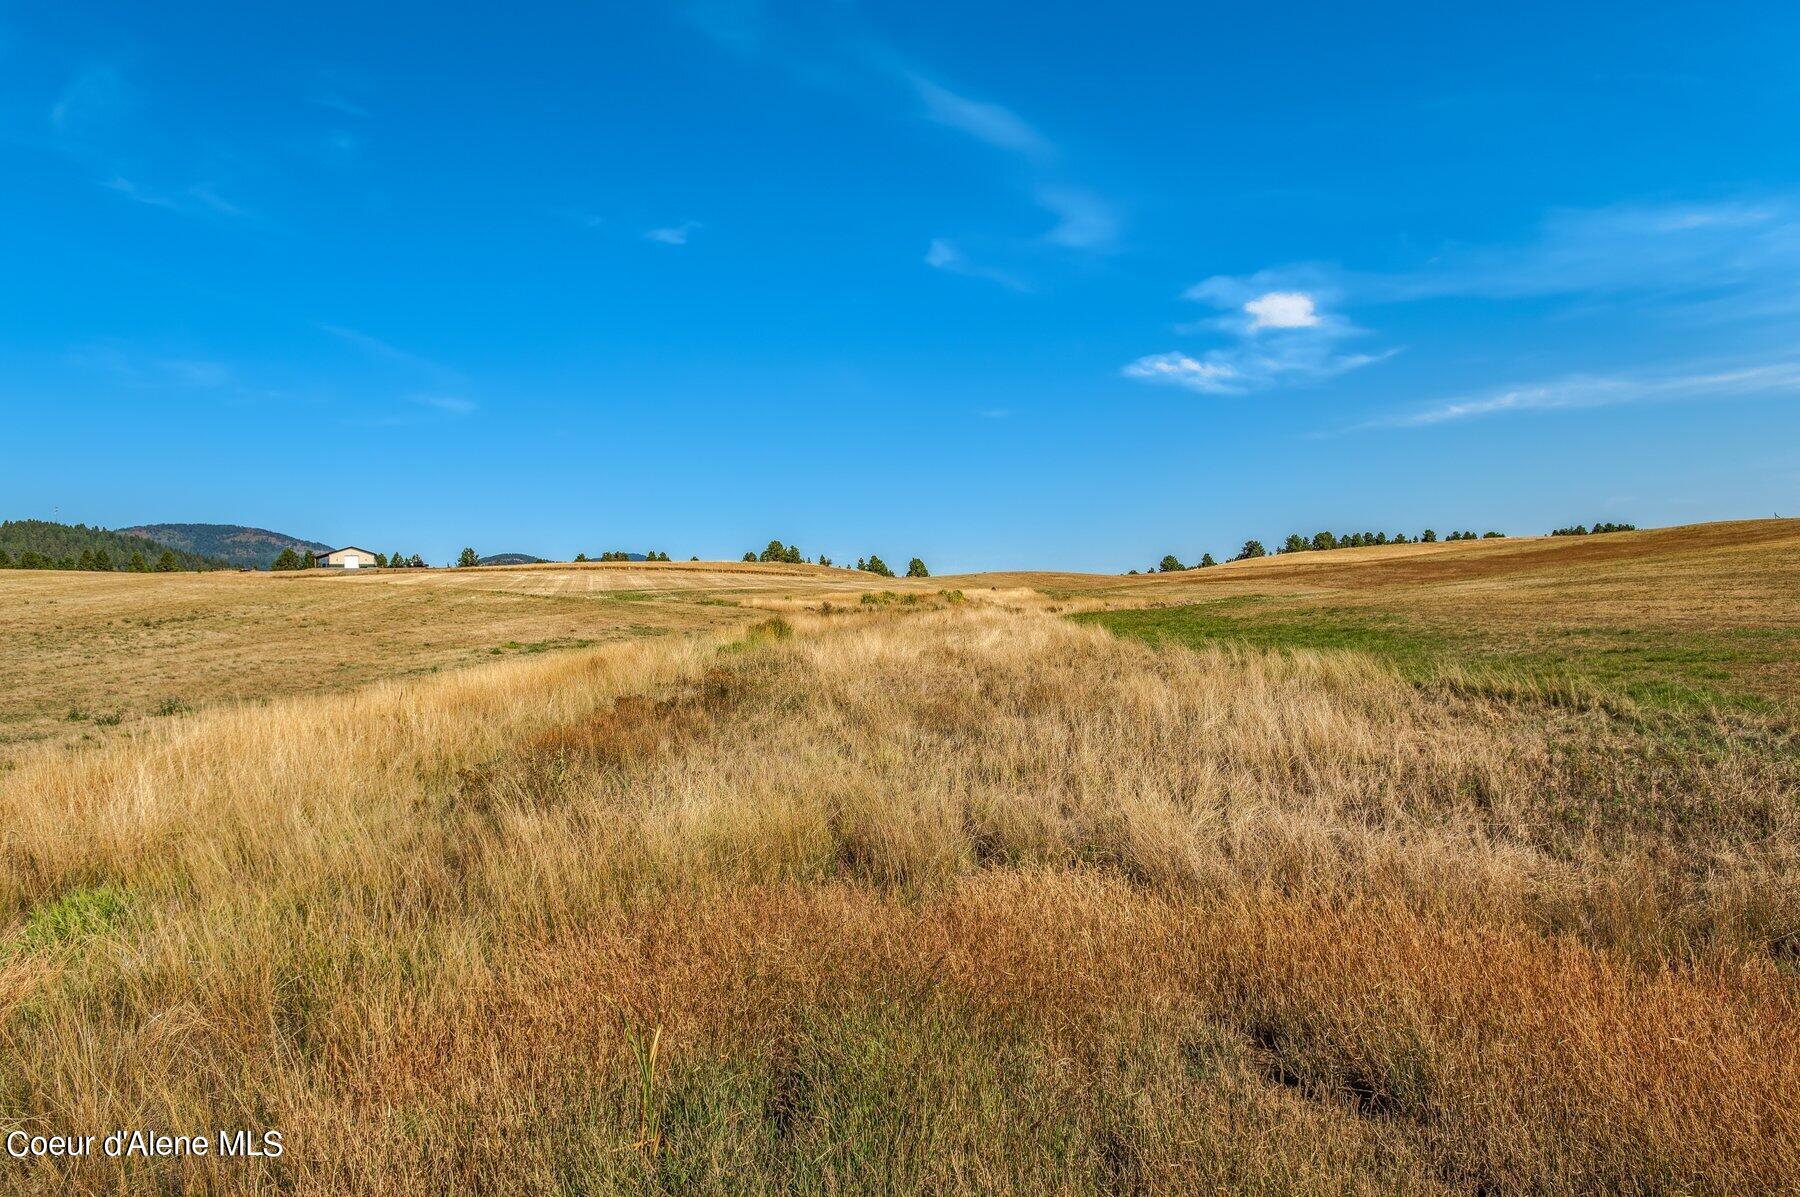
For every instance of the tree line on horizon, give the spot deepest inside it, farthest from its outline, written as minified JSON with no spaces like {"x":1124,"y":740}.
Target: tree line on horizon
{"x":42,"y":544}
{"x":96,"y":559}
{"x":873,"y":564}
{"x":1320,"y":542}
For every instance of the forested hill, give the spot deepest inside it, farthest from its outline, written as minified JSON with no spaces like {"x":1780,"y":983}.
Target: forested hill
{"x":256,"y":548}
{"x":54,"y":546}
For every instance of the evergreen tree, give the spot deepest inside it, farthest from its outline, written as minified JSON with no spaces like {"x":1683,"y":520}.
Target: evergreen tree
{"x":879,"y":567}
{"x":102,"y":560}
{"x":1429,"y":537}
{"x":1322,"y":541}
{"x":288,"y":559}
{"x":309,"y":560}
{"x":136,"y":564}
{"x":1295,"y":543}
{"x":1170,"y":564}
{"x":381,"y":561}
{"x":1252,"y":548}
{"x":6,"y":561}
{"x":581,"y":556}
{"x":1206,"y":559}
{"x":165,"y":564}
{"x":749,"y":556}
{"x":85,"y":561}
{"x":916,"y":569}
{"x":467,"y":559}
{"x":417,"y":562}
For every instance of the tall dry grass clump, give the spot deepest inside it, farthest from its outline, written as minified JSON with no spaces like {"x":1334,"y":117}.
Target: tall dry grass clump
{"x":974,"y":899}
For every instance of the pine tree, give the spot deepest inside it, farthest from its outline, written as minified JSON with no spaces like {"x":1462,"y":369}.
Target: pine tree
{"x":165,"y":564}
{"x":1170,"y":564}
{"x":879,"y":567}
{"x":1206,"y":559}
{"x":417,"y":562}
{"x":6,"y":561}
{"x":916,"y":569}
{"x":467,"y":559}
{"x":1295,"y":543}
{"x":1429,"y":537}
{"x":1252,"y":548}
{"x":309,"y":560}
{"x":288,"y":559}
{"x":136,"y":564}
{"x":103,"y":560}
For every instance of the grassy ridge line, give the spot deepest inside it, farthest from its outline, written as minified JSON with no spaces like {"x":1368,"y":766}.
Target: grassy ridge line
{"x":967,"y":900}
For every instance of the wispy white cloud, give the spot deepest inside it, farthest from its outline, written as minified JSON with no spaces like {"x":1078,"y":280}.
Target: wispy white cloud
{"x":136,"y":367}
{"x":454,"y":405}
{"x":994,"y":124}
{"x":826,"y":46}
{"x":1181,"y":370}
{"x":381,"y":350}
{"x":337,"y":102}
{"x":944,"y":255}
{"x":94,"y":99}
{"x":675,"y":234}
{"x":1775,"y":378}
{"x":1652,"y":251}
{"x":1083,"y":220}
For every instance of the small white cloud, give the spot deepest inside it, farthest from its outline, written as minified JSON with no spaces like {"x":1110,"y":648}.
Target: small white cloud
{"x":1282,"y":309}
{"x":676,"y":234}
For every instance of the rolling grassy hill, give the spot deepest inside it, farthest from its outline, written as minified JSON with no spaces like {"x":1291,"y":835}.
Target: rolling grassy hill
{"x":1303,"y":878}
{"x":254,"y":548}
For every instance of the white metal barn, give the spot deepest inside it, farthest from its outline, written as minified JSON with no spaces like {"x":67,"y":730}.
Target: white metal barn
{"x":349,"y":557}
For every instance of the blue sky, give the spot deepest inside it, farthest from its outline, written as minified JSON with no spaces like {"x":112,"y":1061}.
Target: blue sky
{"x":997,"y":284}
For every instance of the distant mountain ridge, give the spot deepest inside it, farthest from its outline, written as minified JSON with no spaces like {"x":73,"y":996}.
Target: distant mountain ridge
{"x":254,"y":548}
{"x":512,"y":559}
{"x":67,"y":542}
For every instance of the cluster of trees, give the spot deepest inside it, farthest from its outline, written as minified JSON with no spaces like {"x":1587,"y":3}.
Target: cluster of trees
{"x":778,"y":552}
{"x":288,"y":559}
{"x":1584,"y":530}
{"x":95,"y":559}
{"x":875,"y":565}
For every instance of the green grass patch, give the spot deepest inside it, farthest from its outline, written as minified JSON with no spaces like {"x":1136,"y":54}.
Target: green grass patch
{"x":77,"y":915}
{"x":1657,"y":669}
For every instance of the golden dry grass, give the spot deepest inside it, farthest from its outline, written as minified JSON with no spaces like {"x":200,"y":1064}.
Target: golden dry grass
{"x":89,"y":654}
{"x":971,"y":898}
